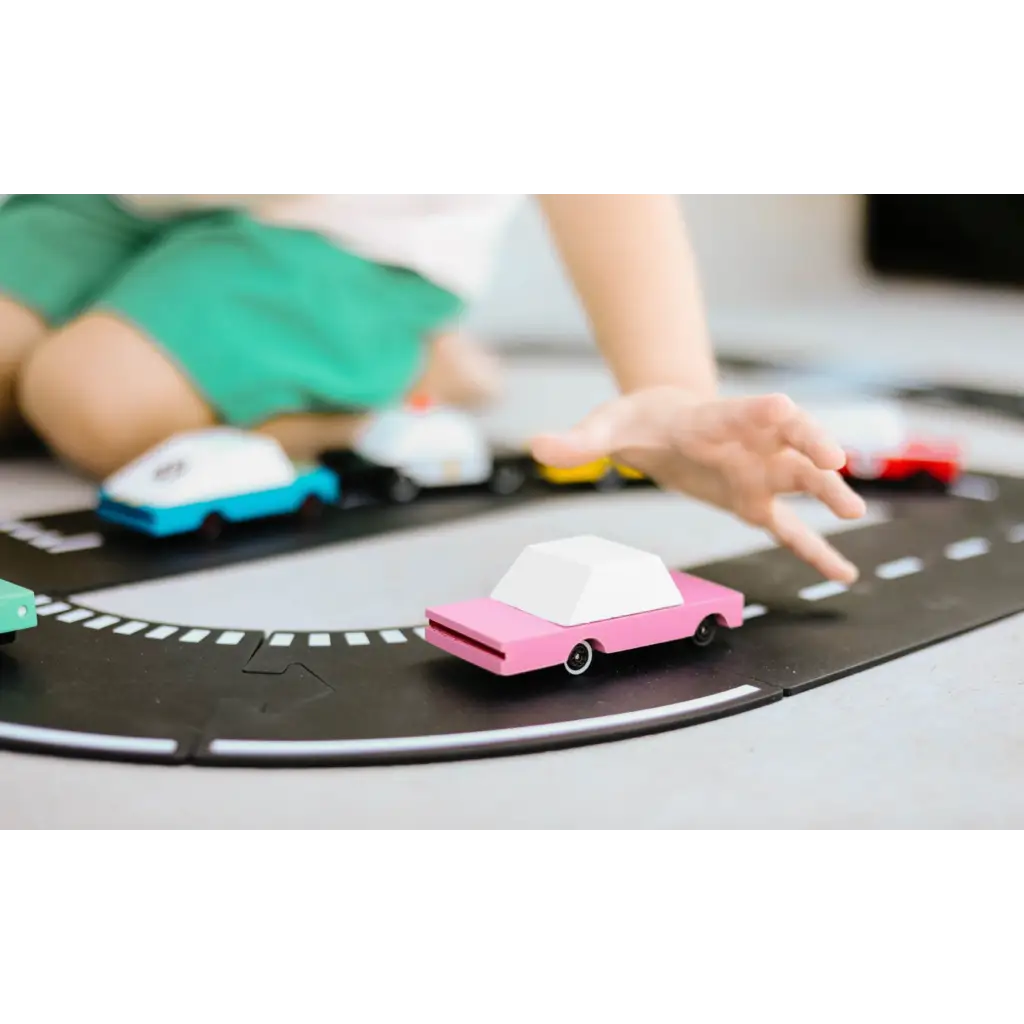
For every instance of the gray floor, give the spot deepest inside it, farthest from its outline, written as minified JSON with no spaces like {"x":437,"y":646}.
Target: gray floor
{"x":933,"y":740}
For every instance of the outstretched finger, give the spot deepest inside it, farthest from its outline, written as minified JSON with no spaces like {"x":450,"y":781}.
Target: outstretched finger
{"x":795,"y":474}
{"x":791,"y":532}
{"x":802,"y":432}
{"x":594,"y":437}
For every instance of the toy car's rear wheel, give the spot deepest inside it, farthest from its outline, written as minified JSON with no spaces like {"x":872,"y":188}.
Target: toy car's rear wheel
{"x":507,"y":479}
{"x":312,"y":508}
{"x":7,"y":638}
{"x":212,"y":526}
{"x":402,"y":489}
{"x":706,"y":632}
{"x":922,"y":480}
{"x":581,"y":657}
{"x":612,"y":480}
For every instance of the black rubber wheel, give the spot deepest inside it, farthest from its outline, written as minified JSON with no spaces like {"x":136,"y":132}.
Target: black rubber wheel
{"x":7,"y":638}
{"x":508,"y":479}
{"x":312,"y":508}
{"x":924,"y":482}
{"x":706,"y":632}
{"x":581,"y":657}
{"x":612,"y":480}
{"x":212,"y":526}
{"x":402,"y":489}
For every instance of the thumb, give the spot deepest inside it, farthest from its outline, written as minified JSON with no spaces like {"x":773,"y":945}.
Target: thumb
{"x":592,"y":438}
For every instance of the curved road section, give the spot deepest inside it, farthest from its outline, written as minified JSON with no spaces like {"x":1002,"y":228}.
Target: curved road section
{"x":86,"y":683}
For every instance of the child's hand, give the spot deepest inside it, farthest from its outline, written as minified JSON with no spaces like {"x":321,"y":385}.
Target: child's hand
{"x":737,"y":453}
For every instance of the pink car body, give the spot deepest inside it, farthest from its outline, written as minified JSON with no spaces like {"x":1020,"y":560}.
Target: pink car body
{"x":507,"y":641}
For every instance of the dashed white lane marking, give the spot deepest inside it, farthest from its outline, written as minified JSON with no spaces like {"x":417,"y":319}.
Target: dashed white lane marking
{"x":76,"y":615}
{"x":1015,"y":534}
{"x":83,"y":542}
{"x":134,"y":626}
{"x":52,"y":541}
{"x":101,"y":622}
{"x":53,"y":608}
{"x":976,"y":487}
{"x":69,"y":613}
{"x":27,"y":531}
{"x":970,"y":548}
{"x":819,"y":591}
{"x":900,"y":567}
{"x":46,"y":541}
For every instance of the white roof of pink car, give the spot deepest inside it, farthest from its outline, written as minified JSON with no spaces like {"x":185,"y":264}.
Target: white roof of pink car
{"x":586,"y":579}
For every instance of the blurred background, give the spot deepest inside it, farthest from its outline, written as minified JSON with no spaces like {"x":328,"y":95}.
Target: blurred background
{"x":926,"y":284}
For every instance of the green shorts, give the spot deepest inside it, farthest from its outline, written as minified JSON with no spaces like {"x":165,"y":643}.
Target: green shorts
{"x":263,"y":320}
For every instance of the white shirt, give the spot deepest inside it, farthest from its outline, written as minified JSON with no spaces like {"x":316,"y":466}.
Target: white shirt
{"x":451,"y":240}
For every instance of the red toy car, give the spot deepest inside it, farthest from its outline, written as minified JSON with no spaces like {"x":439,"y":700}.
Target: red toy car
{"x":880,"y":446}
{"x":939,"y":462}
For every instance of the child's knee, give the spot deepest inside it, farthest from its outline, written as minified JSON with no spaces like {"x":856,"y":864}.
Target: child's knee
{"x":99,"y":394}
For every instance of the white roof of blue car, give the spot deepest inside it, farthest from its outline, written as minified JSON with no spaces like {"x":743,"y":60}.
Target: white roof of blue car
{"x":202,"y":465}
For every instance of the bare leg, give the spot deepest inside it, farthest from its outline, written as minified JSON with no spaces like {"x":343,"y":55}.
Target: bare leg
{"x":459,"y":372}
{"x":20,"y":329}
{"x":304,"y":436}
{"x":99,"y":393}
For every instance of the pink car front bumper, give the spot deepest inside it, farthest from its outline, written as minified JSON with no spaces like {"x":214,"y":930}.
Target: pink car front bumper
{"x":494,"y":636}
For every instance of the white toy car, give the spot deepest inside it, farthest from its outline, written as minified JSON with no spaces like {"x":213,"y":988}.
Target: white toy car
{"x":200,"y":480}
{"x":421,"y":446}
{"x":880,"y":445}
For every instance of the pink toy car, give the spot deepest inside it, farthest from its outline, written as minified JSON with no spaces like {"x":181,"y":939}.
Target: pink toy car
{"x":561,"y":601}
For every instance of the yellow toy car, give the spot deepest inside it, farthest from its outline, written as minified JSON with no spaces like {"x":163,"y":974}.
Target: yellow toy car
{"x":604,"y":474}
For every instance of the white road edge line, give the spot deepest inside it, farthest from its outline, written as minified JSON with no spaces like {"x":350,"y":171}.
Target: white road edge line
{"x":86,"y":740}
{"x":286,"y":748}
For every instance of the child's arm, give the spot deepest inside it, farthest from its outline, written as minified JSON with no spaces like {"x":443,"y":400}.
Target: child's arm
{"x":631,"y":263}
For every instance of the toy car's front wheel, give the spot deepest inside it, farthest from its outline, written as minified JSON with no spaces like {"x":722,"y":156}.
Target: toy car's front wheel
{"x":706,"y":632}
{"x":581,"y":657}
{"x":402,"y":489}
{"x":611,"y":480}
{"x":508,"y":479}
{"x":312,"y":508}
{"x":212,"y":526}
{"x":7,"y":638}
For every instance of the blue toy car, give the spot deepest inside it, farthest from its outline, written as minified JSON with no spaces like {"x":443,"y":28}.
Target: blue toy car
{"x":201,"y":480}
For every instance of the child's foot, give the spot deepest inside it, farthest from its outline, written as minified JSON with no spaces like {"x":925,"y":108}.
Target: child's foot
{"x":460,"y":372}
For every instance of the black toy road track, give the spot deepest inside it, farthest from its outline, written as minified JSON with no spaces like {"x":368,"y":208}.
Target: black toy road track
{"x":90,"y":684}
